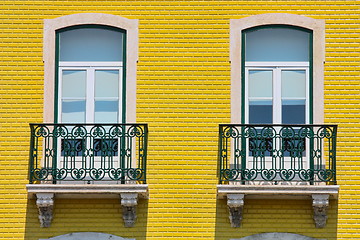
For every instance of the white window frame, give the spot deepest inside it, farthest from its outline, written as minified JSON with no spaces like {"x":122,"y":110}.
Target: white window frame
{"x":90,"y":68}
{"x":276,"y":68}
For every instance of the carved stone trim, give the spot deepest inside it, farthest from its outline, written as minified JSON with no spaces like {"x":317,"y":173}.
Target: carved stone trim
{"x":129,"y":203}
{"x":235,"y":204}
{"x":45,"y":204}
{"x":320,"y":195}
{"x":320,"y":206}
{"x":129,"y":194}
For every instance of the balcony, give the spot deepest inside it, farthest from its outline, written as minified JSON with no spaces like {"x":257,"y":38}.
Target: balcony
{"x":88,"y":160}
{"x":277,"y":161}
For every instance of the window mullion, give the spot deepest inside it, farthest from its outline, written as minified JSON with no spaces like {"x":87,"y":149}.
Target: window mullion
{"x":246,"y":92}
{"x":90,"y":95}
{"x":277,"y":96}
{"x":307,"y":95}
{"x":120,"y":96}
{"x":60,"y":95}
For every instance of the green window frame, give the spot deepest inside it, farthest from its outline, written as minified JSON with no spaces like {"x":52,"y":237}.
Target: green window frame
{"x":91,"y":64}
{"x":244,"y":87}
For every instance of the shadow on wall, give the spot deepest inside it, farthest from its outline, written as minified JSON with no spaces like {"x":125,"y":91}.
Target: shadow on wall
{"x":262,"y":218}
{"x":86,"y":215}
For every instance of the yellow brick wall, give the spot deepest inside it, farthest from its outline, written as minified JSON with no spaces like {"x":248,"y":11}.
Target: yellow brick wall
{"x":183,"y":93}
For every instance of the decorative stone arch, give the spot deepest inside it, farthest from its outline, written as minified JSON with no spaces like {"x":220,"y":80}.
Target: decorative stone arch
{"x":276,"y":236}
{"x":317,"y":26}
{"x":132,"y":32}
{"x":88,"y":236}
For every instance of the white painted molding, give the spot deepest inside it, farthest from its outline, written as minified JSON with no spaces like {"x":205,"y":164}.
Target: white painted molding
{"x":45,"y":205}
{"x":320,"y":205}
{"x":276,"y":236}
{"x":278,"y":191}
{"x":235,"y":204}
{"x":88,"y":236}
{"x":128,"y":193}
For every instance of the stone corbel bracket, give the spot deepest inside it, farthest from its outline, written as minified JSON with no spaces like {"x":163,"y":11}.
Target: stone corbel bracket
{"x":320,"y":205}
{"x":46,"y":193}
{"x":235,"y":204}
{"x":45,"y":205}
{"x":129,"y":203}
{"x":319,"y":194}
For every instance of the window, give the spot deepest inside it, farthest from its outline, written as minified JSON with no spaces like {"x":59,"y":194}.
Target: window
{"x":90,"y":78}
{"x":275,"y":49}
{"x":69,"y":54}
{"x":90,"y":74}
{"x":276,"y":69}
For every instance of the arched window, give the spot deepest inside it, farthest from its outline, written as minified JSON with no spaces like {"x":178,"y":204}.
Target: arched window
{"x":276,"y":70}
{"x":276,"y":75}
{"x":90,"y":74}
{"x":90,"y":77}
{"x":276,"y":67}
{"x":97,"y":54}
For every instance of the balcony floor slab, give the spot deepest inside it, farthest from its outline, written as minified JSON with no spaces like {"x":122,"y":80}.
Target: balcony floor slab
{"x":277,"y":191}
{"x":88,"y":190}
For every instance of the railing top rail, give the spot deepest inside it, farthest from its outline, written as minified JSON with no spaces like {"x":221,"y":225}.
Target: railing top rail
{"x":276,"y":125}
{"x":88,"y":124}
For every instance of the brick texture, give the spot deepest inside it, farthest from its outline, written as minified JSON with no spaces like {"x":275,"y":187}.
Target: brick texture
{"x":183,"y":93}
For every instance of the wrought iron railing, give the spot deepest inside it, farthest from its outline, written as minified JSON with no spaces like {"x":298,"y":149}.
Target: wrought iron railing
{"x":88,"y":152}
{"x":274,"y":154}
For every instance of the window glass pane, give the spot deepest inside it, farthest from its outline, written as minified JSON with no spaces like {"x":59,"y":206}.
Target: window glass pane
{"x":293,"y":111}
{"x":293,"y":83}
{"x":73,"y":83}
{"x":106,"y":147}
{"x":91,"y":44}
{"x":260,"y":83}
{"x":277,"y":44}
{"x":260,"y":112}
{"x":106,"y":111}
{"x":106,"y":83}
{"x":73,"y":111}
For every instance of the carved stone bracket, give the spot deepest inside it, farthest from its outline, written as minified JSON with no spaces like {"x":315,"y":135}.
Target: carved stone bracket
{"x":129,"y":203}
{"x":129,"y":194}
{"x":235,"y":204}
{"x":45,"y":204}
{"x":320,"y":206}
